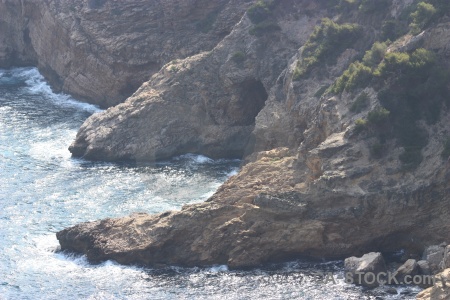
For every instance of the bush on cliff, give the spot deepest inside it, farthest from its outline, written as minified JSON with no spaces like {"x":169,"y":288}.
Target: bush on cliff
{"x":414,"y":87}
{"x":360,"y":74}
{"x":260,"y":11}
{"x":422,"y":16}
{"x":260,"y":15}
{"x":325,"y":44}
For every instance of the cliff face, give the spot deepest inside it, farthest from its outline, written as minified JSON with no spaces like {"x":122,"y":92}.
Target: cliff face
{"x":203,"y":104}
{"x":332,"y":169}
{"x":102,"y":51}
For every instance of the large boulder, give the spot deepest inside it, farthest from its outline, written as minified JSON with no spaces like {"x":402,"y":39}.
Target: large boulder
{"x":364,"y":270}
{"x":409,"y":268}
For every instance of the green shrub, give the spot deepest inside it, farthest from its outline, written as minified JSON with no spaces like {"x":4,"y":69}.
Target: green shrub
{"x":422,"y":16}
{"x":325,"y":44}
{"x":239,"y":57}
{"x":361,"y":102}
{"x":375,"y":55}
{"x":173,"y":69}
{"x":356,"y":76}
{"x":260,"y":11}
{"x":360,"y":125}
{"x":417,"y":89}
{"x":393,"y":63}
{"x":421,"y":61}
{"x":378,"y":116}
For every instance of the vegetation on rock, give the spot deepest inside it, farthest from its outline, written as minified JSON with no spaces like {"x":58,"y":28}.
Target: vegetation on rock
{"x":239,"y":57}
{"x":422,"y":16}
{"x":325,"y":44}
{"x":361,"y":102}
{"x":415,"y":89}
{"x":261,"y":14}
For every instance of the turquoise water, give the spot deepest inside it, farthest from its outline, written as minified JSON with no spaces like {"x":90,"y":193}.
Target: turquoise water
{"x":43,"y":190}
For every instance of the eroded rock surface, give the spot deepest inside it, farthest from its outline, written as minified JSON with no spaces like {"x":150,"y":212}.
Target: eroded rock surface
{"x":440,"y":290}
{"x":310,"y":187}
{"x":366,"y":267}
{"x":102,"y":50}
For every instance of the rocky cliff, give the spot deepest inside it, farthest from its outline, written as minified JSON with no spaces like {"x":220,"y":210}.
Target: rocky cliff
{"x":101,"y":51}
{"x":346,"y":150}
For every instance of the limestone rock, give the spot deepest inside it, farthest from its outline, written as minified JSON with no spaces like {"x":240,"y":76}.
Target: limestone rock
{"x":424,"y":267}
{"x":205,"y":104}
{"x":102,"y":51}
{"x":440,"y":289}
{"x":445,"y":264}
{"x":365,"y":269}
{"x":434,"y":255}
{"x":410,"y":267}
{"x":310,"y":186}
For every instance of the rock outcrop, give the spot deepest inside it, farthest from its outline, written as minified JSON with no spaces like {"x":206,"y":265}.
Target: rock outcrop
{"x":434,"y":255}
{"x":440,"y":290}
{"x":204,"y":104}
{"x":313,"y":184}
{"x":365,"y":270}
{"x":101,"y":51}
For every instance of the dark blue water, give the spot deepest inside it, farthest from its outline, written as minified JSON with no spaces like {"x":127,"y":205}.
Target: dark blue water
{"x":43,"y":190}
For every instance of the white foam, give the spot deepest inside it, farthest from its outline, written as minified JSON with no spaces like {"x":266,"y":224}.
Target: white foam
{"x":233,"y":172}
{"x":219,"y":268}
{"x":36,"y":85}
{"x":196,"y":158}
{"x":50,"y":149}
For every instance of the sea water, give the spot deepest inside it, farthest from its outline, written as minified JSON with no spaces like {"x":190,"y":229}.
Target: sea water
{"x":43,"y":190}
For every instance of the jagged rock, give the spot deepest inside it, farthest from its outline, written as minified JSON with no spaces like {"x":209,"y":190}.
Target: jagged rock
{"x":410,"y":267}
{"x":310,"y":186}
{"x":434,"y":255}
{"x":184,"y":108}
{"x":102,"y":51}
{"x":439,"y":290}
{"x":424,"y":267}
{"x":365,"y":269}
{"x":445,"y":264}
